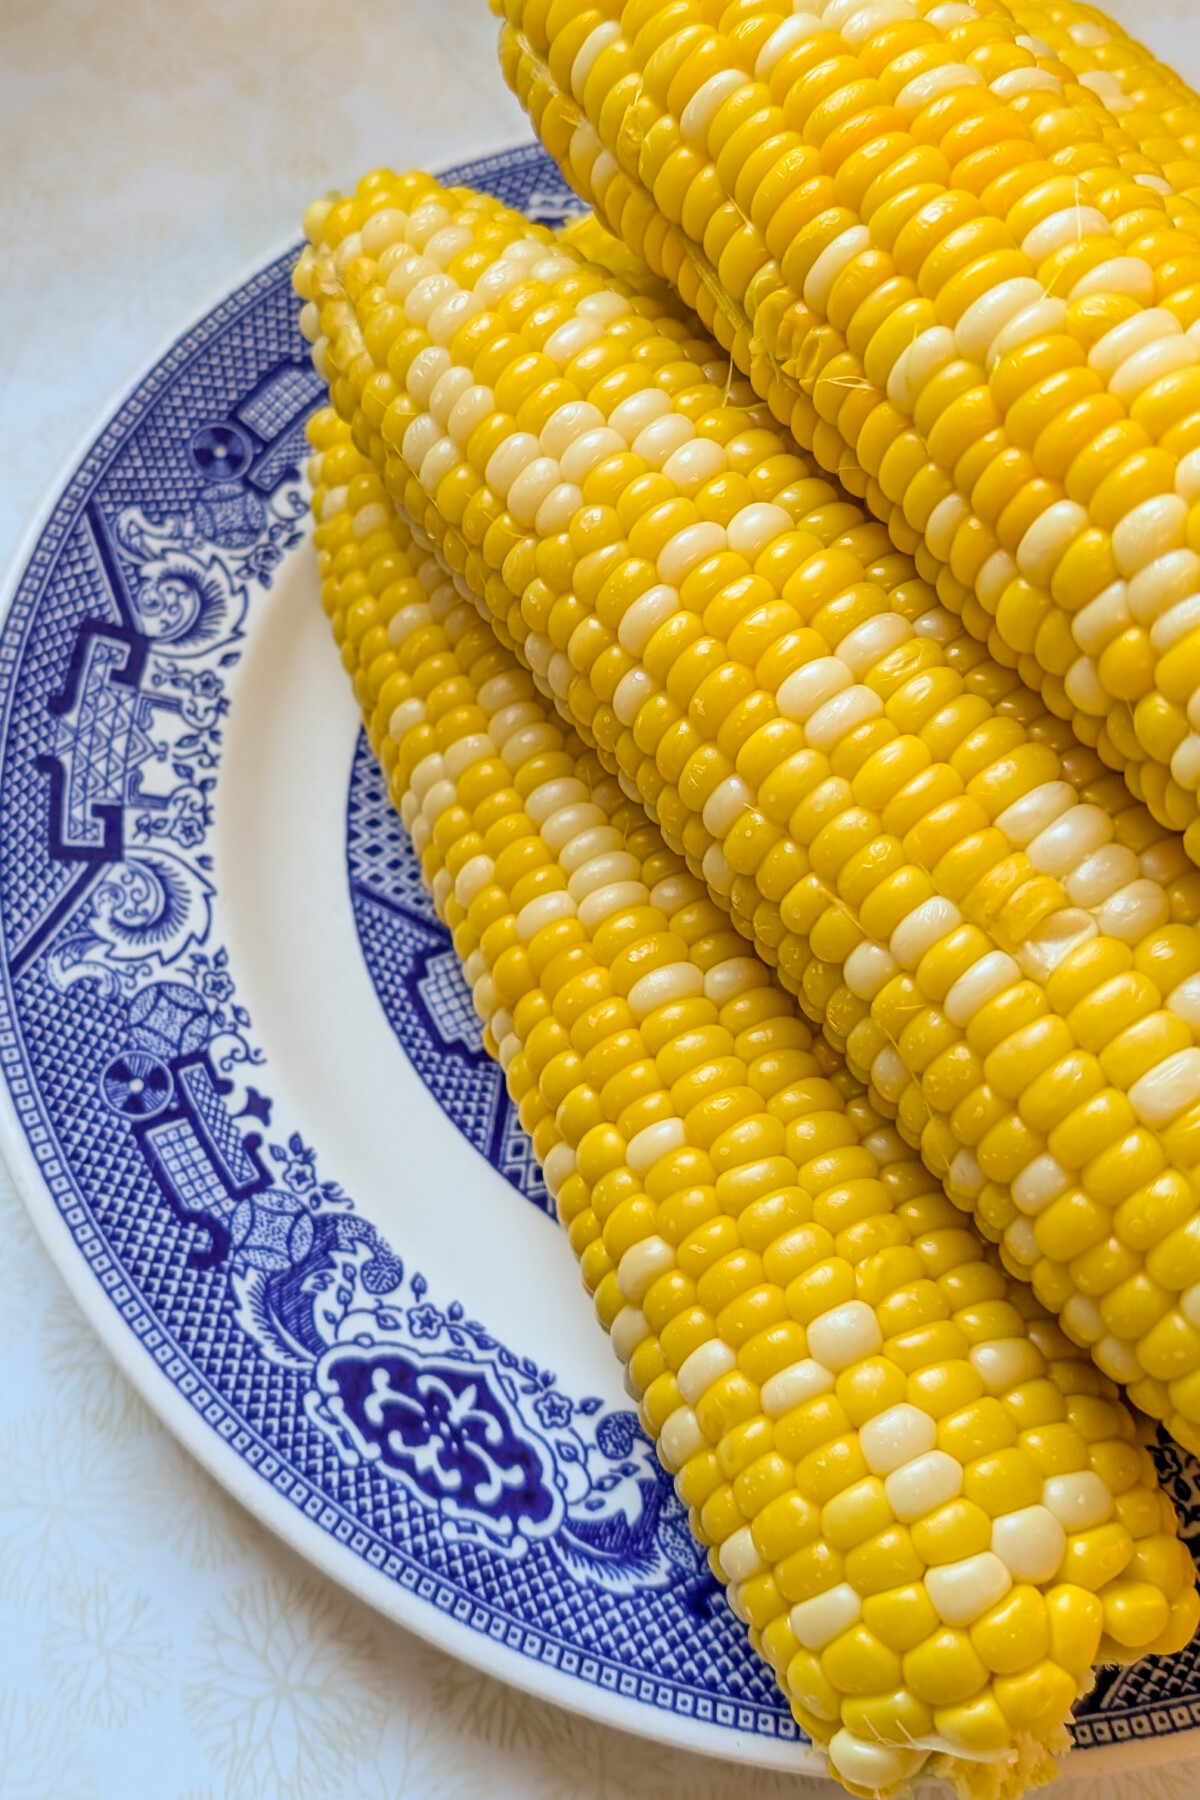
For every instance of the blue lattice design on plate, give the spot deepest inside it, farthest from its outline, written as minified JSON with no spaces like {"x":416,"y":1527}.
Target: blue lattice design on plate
{"x":211,"y":1114}
{"x":212,"y":1232}
{"x":420,"y":982}
{"x":187,"y":1168}
{"x":379,"y":859}
{"x":445,"y":996}
{"x":284,"y":396}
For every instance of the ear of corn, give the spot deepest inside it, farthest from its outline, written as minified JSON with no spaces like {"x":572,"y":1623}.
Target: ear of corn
{"x":914,"y":866}
{"x":931,"y":1513}
{"x":912,"y":204}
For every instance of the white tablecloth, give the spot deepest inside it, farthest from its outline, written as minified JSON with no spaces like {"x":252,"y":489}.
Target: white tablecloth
{"x":155,"y":1644}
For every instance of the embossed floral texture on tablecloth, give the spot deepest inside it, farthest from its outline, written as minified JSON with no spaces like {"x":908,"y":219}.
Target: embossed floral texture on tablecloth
{"x":154,"y":1641}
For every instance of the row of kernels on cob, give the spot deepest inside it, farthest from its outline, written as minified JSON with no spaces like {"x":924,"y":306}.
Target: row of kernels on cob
{"x":1074,"y":65}
{"x":627,"y":207}
{"x":738,"y":1221}
{"x":1153,"y":105}
{"x":1074,"y":1146}
{"x":1083,"y":408}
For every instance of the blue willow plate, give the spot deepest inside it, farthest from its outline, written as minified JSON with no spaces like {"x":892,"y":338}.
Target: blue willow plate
{"x":246,"y":1096}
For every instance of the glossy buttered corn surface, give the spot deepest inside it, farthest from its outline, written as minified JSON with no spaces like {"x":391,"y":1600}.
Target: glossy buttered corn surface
{"x":995,"y":964}
{"x":903,"y":208}
{"x":932,"y":1514}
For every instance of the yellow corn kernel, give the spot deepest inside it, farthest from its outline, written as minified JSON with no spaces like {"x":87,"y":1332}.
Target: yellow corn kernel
{"x":858,"y":1662}
{"x":892,"y":1718}
{"x":1004,"y":1481}
{"x":975,"y":1728}
{"x":945,"y":1669}
{"x":1135,"y":1614}
{"x":807,"y":1683}
{"x":856,"y":1513}
{"x":1094,"y":1558}
{"x":1033,"y":1700}
{"x":1013,"y":1632}
{"x":884,"y":1562}
{"x":902,"y":1617}
{"x":1076,"y":1623}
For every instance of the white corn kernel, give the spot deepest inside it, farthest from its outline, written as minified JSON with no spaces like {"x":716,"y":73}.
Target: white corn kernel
{"x":994,"y":972}
{"x":664,"y":986}
{"x":918,"y":1486}
{"x":844,"y":1334}
{"x":738,"y":1555}
{"x":688,"y":547}
{"x":1029,"y":1543}
{"x":895,"y":1437}
{"x":1006,"y":1362}
{"x":1167,"y":1089}
{"x":961,"y":1591}
{"x":808,"y":687}
{"x":873,"y":1767}
{"x":653,"y":1142}
{"x":1038,"y":1183}
{"x":641,"y":1264}
{"x":704,"y":1366}
{"x":867,"y":968}
{"x":818,"y":1621}
{"x":925,"y":926}
{"x":681,"y":1437}
{"x":793,"y":1385}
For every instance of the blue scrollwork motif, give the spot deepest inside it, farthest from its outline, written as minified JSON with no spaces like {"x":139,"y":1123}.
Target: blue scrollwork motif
{"x":447,"y":1432}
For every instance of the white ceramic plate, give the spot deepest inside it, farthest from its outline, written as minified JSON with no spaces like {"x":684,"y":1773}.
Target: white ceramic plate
{"x":246,"y":1099}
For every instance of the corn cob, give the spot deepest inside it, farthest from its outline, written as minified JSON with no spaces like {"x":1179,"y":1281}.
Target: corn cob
{"x":1163,"y":184}
{"x":981,"y":657}
{"x":932,"y":1532}
{"x":1017,"y":1025}
{"x":1032,"y":532}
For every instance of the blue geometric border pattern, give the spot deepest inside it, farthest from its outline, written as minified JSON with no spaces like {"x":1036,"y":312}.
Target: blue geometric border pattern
{"x":408,"y":1433}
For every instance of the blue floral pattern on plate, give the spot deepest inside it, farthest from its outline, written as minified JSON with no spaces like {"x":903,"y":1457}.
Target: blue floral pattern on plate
{"x":450,"y":1464}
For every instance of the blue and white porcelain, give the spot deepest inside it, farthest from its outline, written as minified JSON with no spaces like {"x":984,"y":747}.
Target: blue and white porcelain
{"x":246,"y":1097}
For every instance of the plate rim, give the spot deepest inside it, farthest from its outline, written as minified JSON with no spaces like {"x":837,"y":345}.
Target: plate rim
{"x":251,"y":1489}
